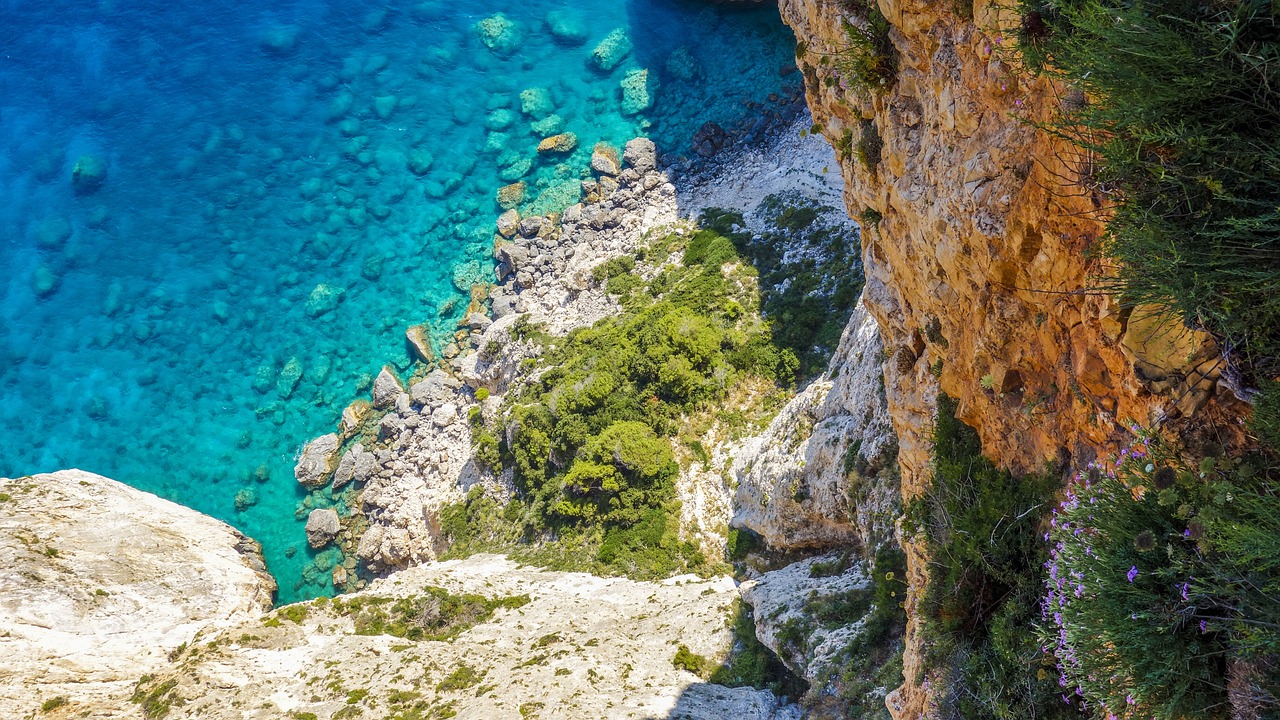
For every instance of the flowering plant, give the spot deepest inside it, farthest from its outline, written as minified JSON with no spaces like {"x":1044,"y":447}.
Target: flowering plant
{"x":1161,"y":574}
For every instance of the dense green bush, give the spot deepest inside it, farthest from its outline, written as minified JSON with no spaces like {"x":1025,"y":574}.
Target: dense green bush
{"x":1163,"y":575}
{"x":979,"y":525}
{"x":589,"y":443}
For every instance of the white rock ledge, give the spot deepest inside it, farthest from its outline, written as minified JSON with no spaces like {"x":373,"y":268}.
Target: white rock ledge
{"x":99,"y":582}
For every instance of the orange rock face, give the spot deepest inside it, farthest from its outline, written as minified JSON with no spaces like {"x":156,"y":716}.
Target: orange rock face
{"x":982,"y":272}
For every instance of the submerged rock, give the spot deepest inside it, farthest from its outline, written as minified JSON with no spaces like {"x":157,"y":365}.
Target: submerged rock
{"x":536,"y":103}
{"x":615,"y":48}
{"x":53,"y":233}
{"x":637,"y":92}
{"x":324,"y":298}
{"x":45,"y":282}
{"x":317,"y":462}
{"x":511,"y":195}
{"x":322,"y":527}
{"x":88,"y":174}
{"x":566,"y":28}
{"x":500,"y":34}
{"x":290,"y":376}
{"x":547,"y":126}
{"x":245,"y":499}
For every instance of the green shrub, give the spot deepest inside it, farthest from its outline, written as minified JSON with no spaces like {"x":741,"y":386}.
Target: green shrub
{"x":436,"y":614}
{"x":54,"y":703}
{"x":589,"y":442}
{"x":751,"y":664}
{"x":686,"y":659}
{"x":463,"y":677}
{"x":1162,"y":575}
{"x":868,"y":65}
{"x":869,"y":147}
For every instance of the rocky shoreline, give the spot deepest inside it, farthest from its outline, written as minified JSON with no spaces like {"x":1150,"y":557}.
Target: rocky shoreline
{"x":406,"y":451}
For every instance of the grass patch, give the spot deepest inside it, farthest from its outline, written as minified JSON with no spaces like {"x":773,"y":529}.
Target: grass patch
{"x":54,"y":703}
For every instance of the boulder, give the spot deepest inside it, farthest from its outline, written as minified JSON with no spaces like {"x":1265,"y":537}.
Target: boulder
{"x":352,"y":416}
{"x":710,"y":139}
{"x":322,"y":527}
{"x":562,"y":143}
{"x":88,"y":174}
{"x":531,"y":226}
{"x":357,"y":464}
{"x":434,"y":390}
{"x":615,"y":48}
{"x":641,"y":154}
{"x":444,"y":415}
{"x":386,"y":388}
{"x":508,"y":223}
{"x":317,"y":461}
{"x":418,"y":339}
{"x":605,"y":160}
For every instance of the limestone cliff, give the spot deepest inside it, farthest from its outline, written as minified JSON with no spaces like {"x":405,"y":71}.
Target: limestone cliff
{"x":978,"y":255}
{"x":100,"y":583}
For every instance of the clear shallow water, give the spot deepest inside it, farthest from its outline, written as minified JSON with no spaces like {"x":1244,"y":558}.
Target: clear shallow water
{"x":254,"y":155}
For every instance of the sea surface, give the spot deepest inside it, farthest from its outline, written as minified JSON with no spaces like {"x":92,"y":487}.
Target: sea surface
{"x":217,"y":219}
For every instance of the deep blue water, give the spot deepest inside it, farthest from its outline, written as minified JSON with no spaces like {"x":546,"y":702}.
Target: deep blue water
{"x":260,"y":155}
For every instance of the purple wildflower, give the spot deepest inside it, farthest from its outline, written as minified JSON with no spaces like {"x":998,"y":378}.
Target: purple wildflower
{"x":1133,"y":573}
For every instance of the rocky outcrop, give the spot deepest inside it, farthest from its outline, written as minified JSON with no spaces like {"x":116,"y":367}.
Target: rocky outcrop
{"x":581,"y":647}
{"x":786,"y":599}
{"x":979,"y":264}
{"x":100,"y":582}
{"x":825,"y":472}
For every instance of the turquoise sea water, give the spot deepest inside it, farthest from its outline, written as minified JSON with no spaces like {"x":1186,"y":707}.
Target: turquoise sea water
{"x":288,"y":185}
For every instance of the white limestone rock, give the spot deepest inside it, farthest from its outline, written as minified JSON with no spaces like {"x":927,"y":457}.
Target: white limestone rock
{"x":99,"y":582}
{"x":317,"y":461}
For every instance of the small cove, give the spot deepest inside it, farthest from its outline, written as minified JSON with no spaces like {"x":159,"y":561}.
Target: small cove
{"x":287,"y":188}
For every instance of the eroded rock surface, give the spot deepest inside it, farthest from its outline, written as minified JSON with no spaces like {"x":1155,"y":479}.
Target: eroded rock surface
{"x":583,"y":647}
{"x":99,"y":582}
{"x":825,"y":472}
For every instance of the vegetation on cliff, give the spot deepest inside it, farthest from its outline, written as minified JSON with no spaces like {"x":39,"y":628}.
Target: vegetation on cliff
{"x":986,"y":573}
{"x":1180,"y":119}
{"x":1164,"y":584}
{"x":1164,"y":576}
